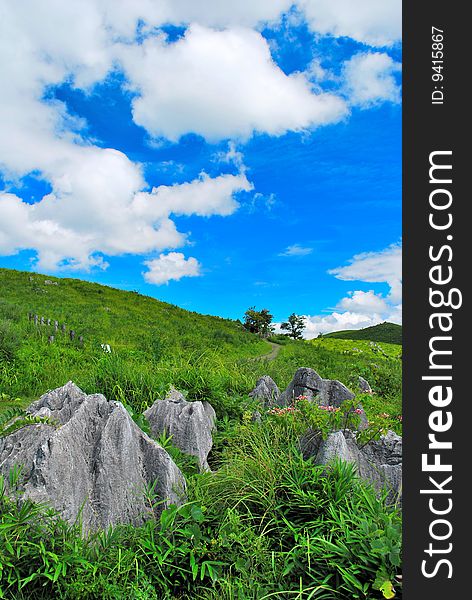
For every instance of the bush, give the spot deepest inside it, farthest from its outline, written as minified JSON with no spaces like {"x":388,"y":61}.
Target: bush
{"x":9,"y":341}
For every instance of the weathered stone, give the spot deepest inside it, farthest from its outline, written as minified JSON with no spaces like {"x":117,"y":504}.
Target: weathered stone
{"x":266,"y":390}
{"x":364,"y":386}
{"x":326,"y":392}
{"x":189,"y":423}
{"x":95,"y":466}
{"x":379,"y":462}
{"x":306,"y":382}
{"x":256,"y":417}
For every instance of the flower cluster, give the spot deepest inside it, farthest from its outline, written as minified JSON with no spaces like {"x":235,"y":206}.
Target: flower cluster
{"x":400,"y":418}
{"x":358,"y":411}
{"x":384,"y":415}
{"x":329,"y":408}
{"x":282,"y":411}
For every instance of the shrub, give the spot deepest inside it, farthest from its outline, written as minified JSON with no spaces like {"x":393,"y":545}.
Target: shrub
{"x":9,"y":341}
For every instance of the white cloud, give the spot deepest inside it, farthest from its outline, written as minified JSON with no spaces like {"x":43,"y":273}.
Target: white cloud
{"x":370,"y":79}
{"x":70,"y":227}
{"x":220,"y":84}
{"x":363,"y":303}
{"x":373,"y":22}
{"x":375,"y":267}
{"x":216,"y":83}
{"x":314,"y":325}
{"x":171,"y":266}
{"x":361,"y":309}
{"x":296,"y":250}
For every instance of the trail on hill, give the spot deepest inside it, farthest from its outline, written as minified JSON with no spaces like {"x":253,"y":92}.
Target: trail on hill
{"x":272,"y":354}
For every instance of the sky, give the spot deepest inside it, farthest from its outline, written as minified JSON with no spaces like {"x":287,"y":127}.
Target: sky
{"x":211,"y":154}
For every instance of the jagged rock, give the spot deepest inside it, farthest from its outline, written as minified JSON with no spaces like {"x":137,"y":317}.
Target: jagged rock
{"x":379,"y":462}
{"x":307,"y":382}
{"x":364,"y":386}
{"x":190,"y":424}
{"x":326,"y":392}
{"x":96,"y":464}
{"x":266,"y":390}
{"x":256,"y":417}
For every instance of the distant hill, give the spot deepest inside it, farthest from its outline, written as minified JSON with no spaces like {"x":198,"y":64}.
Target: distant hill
{"x":384,"y":332}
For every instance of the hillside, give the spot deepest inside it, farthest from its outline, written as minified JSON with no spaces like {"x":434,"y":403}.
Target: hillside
{"x":249,"y":523}
{"x":384,"y":332}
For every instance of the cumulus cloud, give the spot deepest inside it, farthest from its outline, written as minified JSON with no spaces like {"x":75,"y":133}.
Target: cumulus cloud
{"x":375,"y":267}
{"x":359,"y":308}
{"x":98,"y":205}
{"x":370,"y":79}
{"x":367,"y":21}
{"x":296,"y":250}
{"x":70,"y":227}
{"x":363,"y":303}
{"x":220,"y":84}
{"x":171,"y":266}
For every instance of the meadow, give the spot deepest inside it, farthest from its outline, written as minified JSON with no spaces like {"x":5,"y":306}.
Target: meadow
{"x":264,"y":523}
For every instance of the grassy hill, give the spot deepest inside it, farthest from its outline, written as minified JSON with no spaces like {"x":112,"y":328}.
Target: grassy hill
{"x":384,"y":332}
{"x":247,"y":530}
{"x":154,"y":345}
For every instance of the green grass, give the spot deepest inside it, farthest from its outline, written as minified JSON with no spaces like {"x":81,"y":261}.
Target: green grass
{"x":265,"y":524}
{"x":384,"y":332}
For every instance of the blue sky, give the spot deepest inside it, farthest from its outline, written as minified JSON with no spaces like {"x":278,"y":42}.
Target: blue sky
{"x":216,"y":159}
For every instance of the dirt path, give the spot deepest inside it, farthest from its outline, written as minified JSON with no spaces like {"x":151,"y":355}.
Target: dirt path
{"x":272,"y":354}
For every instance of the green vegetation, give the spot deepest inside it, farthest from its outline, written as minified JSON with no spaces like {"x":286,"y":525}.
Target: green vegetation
{"x":384,"y":332}
{"x":264,"y":524}
{"x":295,"y":326}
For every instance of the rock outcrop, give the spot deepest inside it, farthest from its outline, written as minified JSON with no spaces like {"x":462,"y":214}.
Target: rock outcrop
{"x":379,"y":462}
{"x":189,"y":423}
{"x":266,"y":391}
{"x":307,"y":382}
{"x":326,"y":392}
{"x":364,"y":386}
{"x":96,"y":465}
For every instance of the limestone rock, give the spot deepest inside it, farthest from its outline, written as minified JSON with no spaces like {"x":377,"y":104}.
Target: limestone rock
{"x":379,"y":462}
{"x":364,"y":386}
{"x":326,"y":392}
{"x":95,"y":465}
{"x":266,"y":390}
{"x":307,"y":382}
{"x":190,"y":424}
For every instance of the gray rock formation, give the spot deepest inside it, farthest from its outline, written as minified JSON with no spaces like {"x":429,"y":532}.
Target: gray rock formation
{"x":96,"y":464}
{"x":266,"y":391}
{"x":364,"y":386}
{"x":307,"y":382}
{"x":379,"y":462}
{"x":326,"y":392}
{"x":190,"y":424}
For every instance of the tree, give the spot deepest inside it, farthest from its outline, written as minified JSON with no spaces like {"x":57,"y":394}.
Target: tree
{"x":258,"y":321}
{"x":295,"y":325}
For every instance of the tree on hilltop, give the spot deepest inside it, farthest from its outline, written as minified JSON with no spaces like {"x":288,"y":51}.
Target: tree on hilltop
{"x":294,"y":325}
{"x":258,"y":321}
